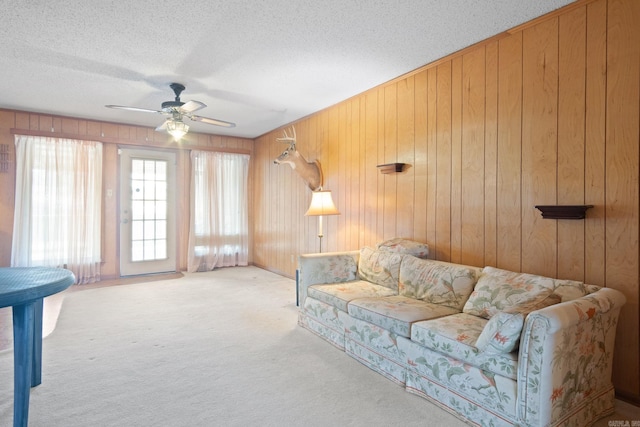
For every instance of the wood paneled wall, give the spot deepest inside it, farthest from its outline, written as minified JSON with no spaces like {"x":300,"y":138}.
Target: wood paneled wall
{"x":112,"y":136}
{"x":545,"y":114}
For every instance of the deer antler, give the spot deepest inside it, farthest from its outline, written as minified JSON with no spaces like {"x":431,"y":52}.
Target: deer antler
{"x":290,"y":139}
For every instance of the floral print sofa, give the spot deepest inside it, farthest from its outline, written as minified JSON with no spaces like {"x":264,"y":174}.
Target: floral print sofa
{"x":493,"y":347}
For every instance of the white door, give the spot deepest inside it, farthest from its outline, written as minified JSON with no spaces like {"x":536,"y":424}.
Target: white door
{"x":147,"y":212}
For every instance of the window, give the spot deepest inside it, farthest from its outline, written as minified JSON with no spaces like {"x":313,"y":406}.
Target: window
{"x":219,"y":227}
{"x":57,"y":221}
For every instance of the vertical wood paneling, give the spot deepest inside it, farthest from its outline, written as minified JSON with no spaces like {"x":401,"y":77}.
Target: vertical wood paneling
{"x":257,"y":170}
{"x":406,"y":154}
{"x":456,"y":160}
{"x":307,"y":229}
{"x":183,"y":208}
{"x":70,"y":125}
{"x":42,"y":123}
{"x":7,"y":187}
{"x":355,"y":224}
{"x":371,"y":173}
{"x":595,"y":96}
{"x":622,"y":177}
{"x":272,"y":196}
{"x":284,"y":175}
{"x":539,"y":145}
{"x":331,"y":143}
{"x":420,"y":157}
{"x":473,"y":158}
{"x":362,"y":140}
{"x":432,"y":156}
{"x":390,"y":147}
{"x":491,"y":155}
{"x":509,"y":175}
{"x":443,"y":163}
{"x":56,"y":124}
{"x":341,"y":234}
{"x":380,"y":143}
{"x":571,"y":148}
{"x":22,"y":120}
{"x":299,"y":208}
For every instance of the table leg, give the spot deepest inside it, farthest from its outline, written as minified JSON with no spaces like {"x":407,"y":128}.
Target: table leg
{"x":23,"y":336}
{"x":36,"y":367}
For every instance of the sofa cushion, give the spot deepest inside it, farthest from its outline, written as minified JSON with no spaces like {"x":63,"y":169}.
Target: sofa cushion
{"x":405,"y":246}
{"x":497,"y":292}
{"x":502,"y":332}
{"x":396,"y":313}
{"x":437,"y":282}
{"x":380,"y":267}
{"x":567,"y":289}
{"x":455,"y":336}
{"x":339,"y":294}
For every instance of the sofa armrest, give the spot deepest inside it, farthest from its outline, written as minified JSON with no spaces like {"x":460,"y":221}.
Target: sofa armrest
{"x":331,"y":267}
{"x":566,"y":357}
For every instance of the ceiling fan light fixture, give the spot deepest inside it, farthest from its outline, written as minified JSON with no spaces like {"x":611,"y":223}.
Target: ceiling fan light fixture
{"x":177,"y":129}
{"x":177,"y":110}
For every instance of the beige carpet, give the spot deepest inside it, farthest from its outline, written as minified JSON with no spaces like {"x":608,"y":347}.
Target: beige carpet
{"x":208,"y":349}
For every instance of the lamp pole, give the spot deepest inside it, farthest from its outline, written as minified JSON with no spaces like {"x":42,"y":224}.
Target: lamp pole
{"x":320,"y":235}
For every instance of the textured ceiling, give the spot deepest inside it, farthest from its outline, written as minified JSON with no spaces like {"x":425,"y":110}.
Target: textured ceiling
{"x":260,"y":64}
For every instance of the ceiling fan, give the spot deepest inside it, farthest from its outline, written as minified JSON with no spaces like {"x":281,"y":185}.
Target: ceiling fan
{"x":178,"y":110}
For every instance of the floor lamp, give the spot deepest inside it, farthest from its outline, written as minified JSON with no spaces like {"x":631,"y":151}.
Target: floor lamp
{"x":321,"y":204}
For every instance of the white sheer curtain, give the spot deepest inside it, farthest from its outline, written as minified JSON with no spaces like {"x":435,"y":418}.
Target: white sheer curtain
{"x":57,"y":221}
{"x":219,"y":228}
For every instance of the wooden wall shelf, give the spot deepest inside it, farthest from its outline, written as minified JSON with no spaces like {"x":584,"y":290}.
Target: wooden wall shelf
{"x":391,"y":167}
{"x":563,"y":211}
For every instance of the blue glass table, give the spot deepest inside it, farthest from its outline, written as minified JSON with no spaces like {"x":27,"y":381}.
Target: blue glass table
{"x":23,"y":288}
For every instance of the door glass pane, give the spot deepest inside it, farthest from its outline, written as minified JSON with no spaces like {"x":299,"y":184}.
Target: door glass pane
{"x":137,"y":169}
{"x":150,"y":170}
{"x":161,"y":190}
{"x":149,"y":250}
{"x":161,"y":210}
{"x":137,"y":252}
{"x":136,"y":189}
{"x":137,"y":210}
{"x":148,"y":210}
{"x":161,"y":249}
{"x":150,"y":190}
{"x":161,"y":229}
{"x":161,"y":171}
{"x":137,"y":232}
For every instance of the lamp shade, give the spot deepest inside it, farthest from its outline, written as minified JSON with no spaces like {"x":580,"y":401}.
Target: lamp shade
{"x":177,"y":128}
{"x":322,"y":204}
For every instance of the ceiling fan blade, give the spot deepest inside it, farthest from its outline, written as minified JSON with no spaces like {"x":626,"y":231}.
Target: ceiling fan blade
{"x":212,"y":121}
{"x":191,"y":106}
{"x":143,"y":110}
{"x":163,"y":126}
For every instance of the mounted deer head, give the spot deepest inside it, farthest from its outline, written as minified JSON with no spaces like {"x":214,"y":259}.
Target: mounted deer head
{"x":310,"y":172}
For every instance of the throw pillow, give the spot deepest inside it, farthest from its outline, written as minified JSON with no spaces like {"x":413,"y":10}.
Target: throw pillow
{"x":502,"y":332}
{"x":405,"y":246}
{"x":379,"y":267}
{"x":437,"y":282}
{"x":497,"y":292}
{"x":567,"y":289}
